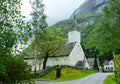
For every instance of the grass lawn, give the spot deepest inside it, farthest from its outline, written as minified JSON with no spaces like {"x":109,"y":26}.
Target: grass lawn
{"x":66,"y":74}
{"x":110,"y":80}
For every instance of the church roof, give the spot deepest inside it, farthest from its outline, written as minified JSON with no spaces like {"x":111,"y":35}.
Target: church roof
{"x":69,"y":48}
{"x":65,"y":52}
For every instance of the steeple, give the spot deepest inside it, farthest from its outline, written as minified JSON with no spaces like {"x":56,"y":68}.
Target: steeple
{"x":74,"y":34}
{"x":74,"y":26}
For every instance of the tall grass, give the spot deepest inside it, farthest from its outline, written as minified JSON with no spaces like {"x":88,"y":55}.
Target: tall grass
{"x":110,"y":80}
{"x":67,"y":74}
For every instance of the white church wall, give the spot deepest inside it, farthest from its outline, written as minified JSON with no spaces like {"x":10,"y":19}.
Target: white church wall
{"x":74,"y":36}
{"x":58,"y":60}
{"x":76,"y":55}
{"x":50,"y":62}
{"x":31,"y":62}
{"x":87,"y":66}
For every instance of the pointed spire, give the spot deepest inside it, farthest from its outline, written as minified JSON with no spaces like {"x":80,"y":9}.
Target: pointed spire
{"x":75,"y":24}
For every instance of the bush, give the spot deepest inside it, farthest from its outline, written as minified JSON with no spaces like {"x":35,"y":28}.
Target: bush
{"x":15,"y":70}
{"x":110,"y":80}
{"x":117,"y":68}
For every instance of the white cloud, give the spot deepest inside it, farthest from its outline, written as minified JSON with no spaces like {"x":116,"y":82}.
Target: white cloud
{"x":56,"y":10}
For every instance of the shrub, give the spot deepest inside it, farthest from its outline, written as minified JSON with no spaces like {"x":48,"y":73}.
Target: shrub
{"x":117,"y":67}
{"x":15,"y":70}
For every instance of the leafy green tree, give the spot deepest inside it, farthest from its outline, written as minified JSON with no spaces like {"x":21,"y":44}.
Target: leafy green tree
{"x":117,"y":61}
{"x":12,"y":26}
{"x":38,"y":16}
{"x":50,"y":43}
{"x":108,"y":32}
{"x":38,"y":23}
{"x":13,"y":30}
{"x":109,"y":28}
{"x":95,"y":54}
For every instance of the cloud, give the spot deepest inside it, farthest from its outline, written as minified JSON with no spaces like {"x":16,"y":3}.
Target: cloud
{"x":56,"y":10}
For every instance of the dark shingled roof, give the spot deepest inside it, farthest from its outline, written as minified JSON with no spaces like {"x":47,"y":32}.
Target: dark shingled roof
{"x":69,"y":47}
{"x":65,"y":52}
{"x":106,"y":62}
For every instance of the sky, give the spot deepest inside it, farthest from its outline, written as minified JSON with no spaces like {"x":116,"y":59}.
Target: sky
{"x":55,"y":10}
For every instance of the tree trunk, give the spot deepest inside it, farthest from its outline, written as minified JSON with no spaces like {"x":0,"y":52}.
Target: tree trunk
{"x":35,"y":60}
{"x":44,"y":62}
{"x":114,"y":63}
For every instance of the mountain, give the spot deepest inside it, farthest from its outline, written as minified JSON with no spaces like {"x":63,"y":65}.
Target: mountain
{"x":90,"y":7}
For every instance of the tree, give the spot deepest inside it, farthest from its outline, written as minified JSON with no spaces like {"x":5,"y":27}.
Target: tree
{"x":109,"y":31}
{"x":12,"y":26}
{"x":13,"y":29}
{"x":109,"y":28}
{"x":117,"y":61}
{"x":38,"y":17}
{"x":38,"y":22}
{"x":50,"y":43}
{"x":95,"y":53}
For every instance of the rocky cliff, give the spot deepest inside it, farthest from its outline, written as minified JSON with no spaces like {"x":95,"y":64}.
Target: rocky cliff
{"x":90,"y":7}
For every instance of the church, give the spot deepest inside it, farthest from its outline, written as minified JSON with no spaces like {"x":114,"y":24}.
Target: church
{"x":73,"y":56}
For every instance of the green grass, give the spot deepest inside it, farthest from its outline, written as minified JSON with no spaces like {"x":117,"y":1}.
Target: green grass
{"x":66,"y":74}
{"x":110,"y":80}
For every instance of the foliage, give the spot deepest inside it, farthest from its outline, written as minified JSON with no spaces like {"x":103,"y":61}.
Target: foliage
{"x":38,"y":17}
{"x":110,"y":80}
{"x":12,"y":26}
{"x":16,"y":70}
{"x":117,"y":65}
{"x":108,"y":32}
{"x":82,"y":20}
{"x":38,"y":23}
{"x":50,"y":43}
{"x":67,"y":74}
{"x":105,"y":34}
{"x":13,"y":30}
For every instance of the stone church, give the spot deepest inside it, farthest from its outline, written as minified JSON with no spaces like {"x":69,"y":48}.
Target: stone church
{"x":73,"y":56}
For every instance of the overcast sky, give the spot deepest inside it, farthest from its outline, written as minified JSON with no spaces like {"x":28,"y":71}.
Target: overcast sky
{"x":56,"y":10}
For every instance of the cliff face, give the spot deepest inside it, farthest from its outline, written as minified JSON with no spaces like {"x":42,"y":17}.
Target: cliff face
{"x":90,"y":7}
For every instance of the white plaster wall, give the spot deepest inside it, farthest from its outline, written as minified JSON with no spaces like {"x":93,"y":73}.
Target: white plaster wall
{"x":76,"y":55}
{"x":31,"y":62}
{"x":106,"y":67}
{"x":87,"y":66}
{"x":111,"y":64}
{"x":50,"y":62}
{"x":74,"y":36}
{"x":58,"y":60}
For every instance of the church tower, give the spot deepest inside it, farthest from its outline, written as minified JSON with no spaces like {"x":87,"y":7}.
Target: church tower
{"x":74,"y":35}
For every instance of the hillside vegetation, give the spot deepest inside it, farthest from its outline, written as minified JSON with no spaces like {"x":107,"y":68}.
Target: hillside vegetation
{"x":88,"y":26}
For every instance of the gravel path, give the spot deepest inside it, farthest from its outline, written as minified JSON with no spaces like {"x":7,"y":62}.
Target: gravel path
{"x":92,"y":79}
